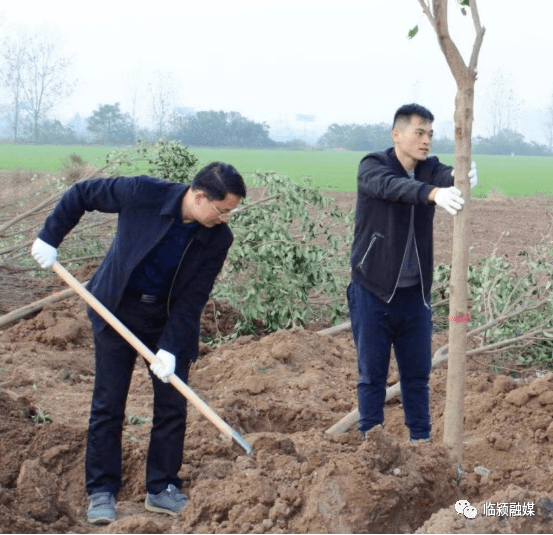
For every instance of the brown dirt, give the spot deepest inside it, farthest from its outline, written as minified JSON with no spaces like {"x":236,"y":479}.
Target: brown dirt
{"x":280,"y":392}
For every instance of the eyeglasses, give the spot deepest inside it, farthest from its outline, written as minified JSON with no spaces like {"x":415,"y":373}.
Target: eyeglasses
{"x":219,"y":213}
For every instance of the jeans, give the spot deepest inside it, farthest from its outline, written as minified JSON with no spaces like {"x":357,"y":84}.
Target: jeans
{"x":115,"y":360}
{"x":405,"y":323}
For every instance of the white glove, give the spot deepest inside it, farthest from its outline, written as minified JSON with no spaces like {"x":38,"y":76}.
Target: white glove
{"x":165,"y":367}
{"x":449,"y":199}
{"x":473,"y":175}
{"x":43,"y":253}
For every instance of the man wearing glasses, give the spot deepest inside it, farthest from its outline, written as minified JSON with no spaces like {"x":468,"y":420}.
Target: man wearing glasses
{"x":171,"y":242}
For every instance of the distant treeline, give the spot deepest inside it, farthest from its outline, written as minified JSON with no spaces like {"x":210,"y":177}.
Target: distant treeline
{"x":375,"y":137}
{"x":108,"y":125}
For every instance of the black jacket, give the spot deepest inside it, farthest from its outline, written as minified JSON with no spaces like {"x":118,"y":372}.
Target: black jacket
{"x":147,"y":208}
{"x":385,"y":197}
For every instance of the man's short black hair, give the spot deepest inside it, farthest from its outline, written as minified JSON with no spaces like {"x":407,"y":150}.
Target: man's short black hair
{"x":408,"y":110}
{"x":217,"y":179}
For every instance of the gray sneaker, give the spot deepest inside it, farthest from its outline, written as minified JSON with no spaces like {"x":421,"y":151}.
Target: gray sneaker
{"x":170,"y":501}
{"x":373,"y":429}
{"x":102,"y":508}
{"x":419,"y":440}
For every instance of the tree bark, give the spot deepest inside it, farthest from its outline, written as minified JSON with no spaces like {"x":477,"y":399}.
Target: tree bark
{"x":458,"y":302}
{"x":465,"y":77}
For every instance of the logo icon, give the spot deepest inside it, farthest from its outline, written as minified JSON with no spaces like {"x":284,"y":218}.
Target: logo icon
{"x":465,"y":508}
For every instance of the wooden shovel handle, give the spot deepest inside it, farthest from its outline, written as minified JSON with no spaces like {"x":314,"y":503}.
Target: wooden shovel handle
{"x":178,"y":383}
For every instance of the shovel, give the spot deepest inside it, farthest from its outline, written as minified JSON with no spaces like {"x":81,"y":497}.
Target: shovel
{"x":180,"y":385}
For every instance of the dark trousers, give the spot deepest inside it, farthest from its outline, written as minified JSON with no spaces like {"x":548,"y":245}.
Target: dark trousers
{"x":405,"y":323}
{"x":115,"y":360}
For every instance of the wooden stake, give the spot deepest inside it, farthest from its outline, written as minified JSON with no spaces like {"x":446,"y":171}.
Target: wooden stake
{"x":34,"y":307}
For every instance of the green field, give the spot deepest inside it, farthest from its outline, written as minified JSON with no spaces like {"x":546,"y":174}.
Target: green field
{"x":519,"y":175}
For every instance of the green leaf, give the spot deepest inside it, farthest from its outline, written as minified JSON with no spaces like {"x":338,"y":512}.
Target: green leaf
{"x":463,"y":11}
{"x":271,"y":271}
{"x":413,"y":32}
{"x":464,"y":3}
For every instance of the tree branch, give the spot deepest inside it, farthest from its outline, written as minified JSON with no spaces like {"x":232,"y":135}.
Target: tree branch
{"x":15,"y":220}
{"x":251,"y":205}
{"x":18,"y":246}
{"x":449,"y":49}
{"x":25,"y":230}
{"x":13,"y":248}
{"x":444,"y":349}
{"x":48,"y":201}
{"x":508,"y":342}
{"x":428,"y":13}
{"x":19,"y":269}
{"x":479,"y":36}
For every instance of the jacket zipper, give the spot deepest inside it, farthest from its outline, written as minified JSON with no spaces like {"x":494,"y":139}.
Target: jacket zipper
{"x":175,"y":276}
{"x":398,"y":275}
{"x":404,"y":255}
{"x":373,"y":239}
{"x":420,"y":270}
{"x":418,"y":262}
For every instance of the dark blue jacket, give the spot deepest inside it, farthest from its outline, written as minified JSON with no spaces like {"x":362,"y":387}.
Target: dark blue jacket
{"x":385,"y":196}
{"x":147,"y":208}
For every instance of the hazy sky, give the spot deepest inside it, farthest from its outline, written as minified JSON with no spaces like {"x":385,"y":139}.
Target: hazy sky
{"x":271,"y":60}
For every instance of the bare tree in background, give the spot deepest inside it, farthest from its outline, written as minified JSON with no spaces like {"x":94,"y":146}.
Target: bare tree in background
{"x":501,"y":105}
{"x":45,"y":79}
{"x":132,"y":82}
{"x":548,"y":124}
{"x":465,"y":77}
{"x":163,"y":91}
{"x":13,"y":58}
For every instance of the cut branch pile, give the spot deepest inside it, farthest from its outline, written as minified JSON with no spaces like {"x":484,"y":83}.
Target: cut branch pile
{"x":512,"y":307}
{"x":18,"y":233}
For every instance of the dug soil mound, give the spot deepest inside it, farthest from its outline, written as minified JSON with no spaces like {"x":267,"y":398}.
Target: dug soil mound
{"x":281,"y":392}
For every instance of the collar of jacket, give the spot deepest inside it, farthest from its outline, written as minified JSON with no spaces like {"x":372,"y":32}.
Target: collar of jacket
{"x":391,"y":153}
{"x":172,"y":208}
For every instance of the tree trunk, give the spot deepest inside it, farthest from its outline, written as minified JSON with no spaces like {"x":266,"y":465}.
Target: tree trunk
{"x":465,"y":77}
{"x":35,"y":129}
{"x":16,"y":120}
{"x":458,"y":303}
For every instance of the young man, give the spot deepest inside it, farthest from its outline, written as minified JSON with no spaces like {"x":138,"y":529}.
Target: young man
{"x":170,"y":245}
{"x":392,"y":263}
